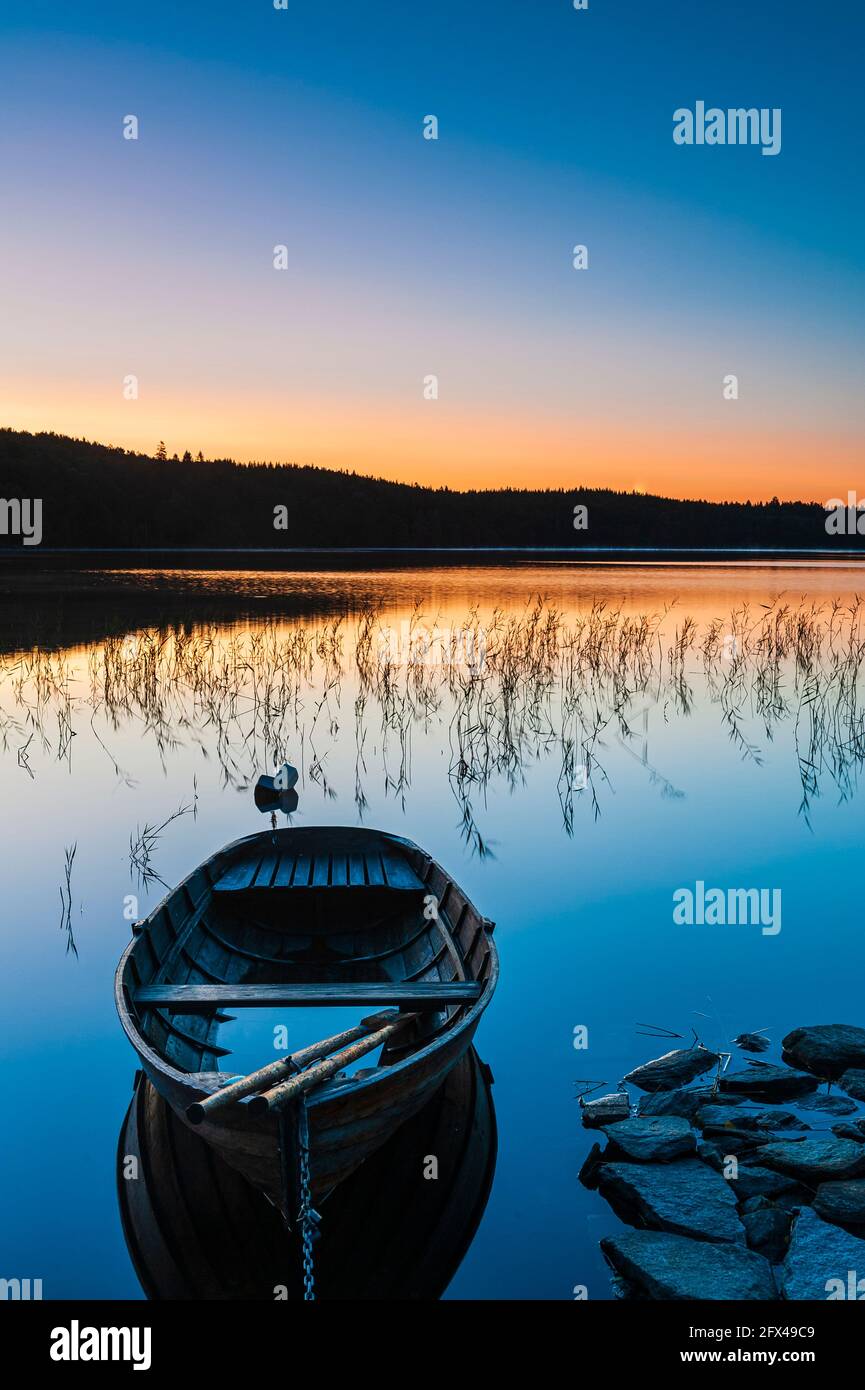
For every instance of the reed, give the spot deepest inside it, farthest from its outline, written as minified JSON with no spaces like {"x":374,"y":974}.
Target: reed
{"x":66,"y":899}
{"x":505,"y":692}
{"x":143,"y":844}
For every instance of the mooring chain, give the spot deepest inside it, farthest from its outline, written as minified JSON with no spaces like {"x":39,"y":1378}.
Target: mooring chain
{"x":308,"y":1217}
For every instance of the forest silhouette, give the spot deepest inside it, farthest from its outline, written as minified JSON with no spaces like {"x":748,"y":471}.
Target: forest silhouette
{"x":98,"y":496}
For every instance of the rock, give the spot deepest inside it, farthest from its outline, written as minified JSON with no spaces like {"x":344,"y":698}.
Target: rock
{"x":820,"y":1259}
{"x":853,"y":1082}
{"x":658,"y":1139}
{"x":606,"y":1109}
{"x":672,"y":1267}
{"x":765,"y":1083}
{"x":679,"y":1102}
{"x":674,"y":1069}
{"x":685,"y":1197}
{"x":711,"y":1153}
{"x":740,"y":1117}
{"x":842,"y":1203}
{"x":826,"y":1049}
{"x":588,"y":1174}
{"x":768,"y":1231}
{"x":855,"y":1130}
{"x":829,"y":1105}
{"x":754,"y":1204}
{"x":739,"y":1141}
{"x":754,"y":1181}
{"x":751,"y":1042}
{"x":815,"y":1160}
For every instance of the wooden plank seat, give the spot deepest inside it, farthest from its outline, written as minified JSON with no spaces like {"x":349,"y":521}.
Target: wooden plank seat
{"x":428,"y":994}
{"x":372,"y":869}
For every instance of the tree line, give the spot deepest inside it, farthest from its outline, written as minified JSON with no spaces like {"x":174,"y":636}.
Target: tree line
{"x":98,"y":496}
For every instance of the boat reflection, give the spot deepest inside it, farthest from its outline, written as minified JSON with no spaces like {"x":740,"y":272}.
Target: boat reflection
{"x":397,"y":1228}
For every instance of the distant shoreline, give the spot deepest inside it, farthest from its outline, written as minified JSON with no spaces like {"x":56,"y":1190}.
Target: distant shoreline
{"x":99,"y":506}
{"x":53,"y":599}
{"x":81,"y":559}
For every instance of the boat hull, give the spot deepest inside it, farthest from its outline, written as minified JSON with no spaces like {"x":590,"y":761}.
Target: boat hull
{"x":349,"y":1119}
{"x":195,"y":1229}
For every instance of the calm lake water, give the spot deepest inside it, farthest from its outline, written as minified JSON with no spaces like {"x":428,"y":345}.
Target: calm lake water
{"x":573,"y":744}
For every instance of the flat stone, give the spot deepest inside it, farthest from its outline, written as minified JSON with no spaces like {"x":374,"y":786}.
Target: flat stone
{"x":712,"y":1153}
{"x":673,"y":1070}
{"x":854,"y":1130}
{"x":657,"y":1139}
{"x":768,"y":1083}
{"x":605,"y":1110}
{"x":672,"y":1267}
{"x":826,"y":1049}
{"x":588,"y":1174}
{"x":820,"y":1259}
{"x":754,"y":1204}
{"x":843,"y":1203}
{"x":815,"y":1160}
{"x":768,"y":1231}
{"x":853,"y":1082}
{"x":751,"y":1042}
{"x":754,"y":1181}
{"x":741,"y":1117}
{"x":829,"y":1105}
{"x":679,"y":1102}
{"x":736,"y":1141}
{"x":685,"y":1197}
{"x":751,"y":1180}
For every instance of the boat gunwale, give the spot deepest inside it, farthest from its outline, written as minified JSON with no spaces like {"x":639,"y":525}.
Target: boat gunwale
{"x":149,"y":1055}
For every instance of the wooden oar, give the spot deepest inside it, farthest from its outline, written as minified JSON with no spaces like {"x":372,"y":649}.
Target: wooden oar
{"x":286,"y":1091}
{"x":201,"y":1110}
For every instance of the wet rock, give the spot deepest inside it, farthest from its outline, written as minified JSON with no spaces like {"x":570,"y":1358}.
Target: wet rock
{"x":685,"y":1197}
{"x":754,"y":1204}
{"x":605,"y":1110}
{"x":740,"y":1117}
{"x":842,"y":1203}
{"x":855,"y":1130}
{"x":737,"y":1141}
{"x":826,"y":1049}
{"x":658,"y":1139}
{"x":820,"y":1259}
{"x":765,"y":1083}
{"x":853,"y":1082}
{"x":816,"y":1160}
{"x":751,"y":1042}
{"x":588,"y":1174}
{"x":673,"y":1070}
{"x":712,"y":1153}
{"x":767,"y":1231}
{"x":672,"y":1267}
{"x":754,"y":1181}
{"x":681,"y":1102}
{"x":829,"y":1105}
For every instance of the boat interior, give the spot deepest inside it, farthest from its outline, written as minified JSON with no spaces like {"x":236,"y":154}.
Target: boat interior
{"x":305,"y":918}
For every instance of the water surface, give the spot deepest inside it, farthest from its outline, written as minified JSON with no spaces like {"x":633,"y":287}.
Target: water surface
{"x":573,"y":744}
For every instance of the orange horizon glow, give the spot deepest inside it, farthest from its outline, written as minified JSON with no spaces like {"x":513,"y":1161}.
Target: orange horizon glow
{"x":435,"y":444}
{"x":282,"y":260}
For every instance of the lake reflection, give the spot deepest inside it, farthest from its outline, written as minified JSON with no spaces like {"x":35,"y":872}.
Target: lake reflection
{"x":573,"y":744}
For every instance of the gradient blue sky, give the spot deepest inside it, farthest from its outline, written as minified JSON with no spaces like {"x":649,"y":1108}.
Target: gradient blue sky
{"x":407,"y":257}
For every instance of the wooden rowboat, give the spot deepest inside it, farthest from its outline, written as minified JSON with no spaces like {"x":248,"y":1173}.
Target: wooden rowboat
{"x":196,"y":1229}
{"x":304,"y":918}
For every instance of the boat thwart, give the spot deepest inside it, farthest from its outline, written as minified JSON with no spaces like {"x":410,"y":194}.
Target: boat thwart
{"x":302,"y":918}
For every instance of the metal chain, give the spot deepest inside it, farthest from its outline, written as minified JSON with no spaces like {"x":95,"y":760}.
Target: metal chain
{"x":307,"y":1216}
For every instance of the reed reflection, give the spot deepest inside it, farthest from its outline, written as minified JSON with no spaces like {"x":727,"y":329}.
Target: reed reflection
{"x":500,"y":692}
